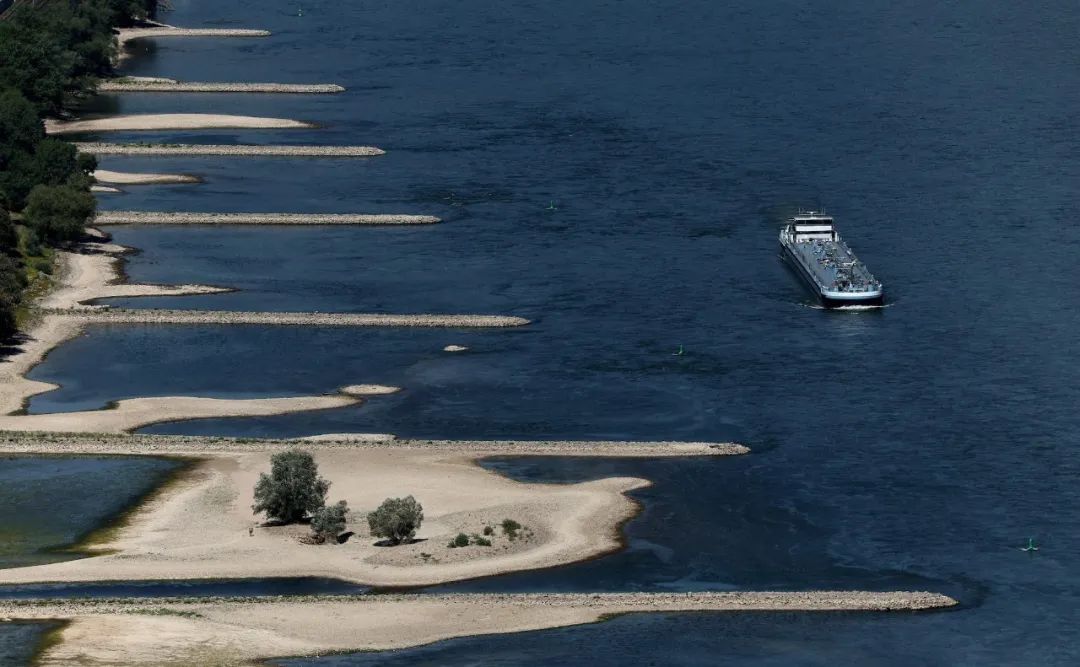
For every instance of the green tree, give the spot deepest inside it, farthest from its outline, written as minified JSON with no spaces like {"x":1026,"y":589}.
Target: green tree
{"x":20,"y":128}
{"x":58,"y":213}
{"x":9,"y":236}
{"x":328,"y":522}
{"x":292,"y":489}
{"x":397,"y":519}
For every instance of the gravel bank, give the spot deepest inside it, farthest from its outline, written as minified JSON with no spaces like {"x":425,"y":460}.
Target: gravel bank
{"x":155,"y":316}
{"x":184,"y":218}
{"x":167,"y":86}
{"x":101,"y":148}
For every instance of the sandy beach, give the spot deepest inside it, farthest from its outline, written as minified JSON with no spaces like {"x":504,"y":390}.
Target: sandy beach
{"x":245,"y":631}
{"x":133,"y":178}
{"x":170,"y":121}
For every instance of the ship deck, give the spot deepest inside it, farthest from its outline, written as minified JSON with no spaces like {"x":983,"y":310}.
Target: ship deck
{"x":833,"y":266}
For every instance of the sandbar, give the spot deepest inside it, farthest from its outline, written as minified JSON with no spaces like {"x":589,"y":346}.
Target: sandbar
{"x":134,"y":178}
{"x":170,"y":121}
{"x":125,"y":35}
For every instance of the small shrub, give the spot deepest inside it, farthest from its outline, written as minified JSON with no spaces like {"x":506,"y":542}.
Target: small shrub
{"x":462,"y":540}
{"x":510,"y":528}
{"x":329,"y":522}
{"x":481,"y":541}
{"x":397,"y":519}
{"x":488,"y":530}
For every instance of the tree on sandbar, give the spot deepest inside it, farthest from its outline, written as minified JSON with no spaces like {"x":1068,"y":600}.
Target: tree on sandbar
{"x":329,"y":522}
{"x":397,"y":519}
{"x":293,"y":489}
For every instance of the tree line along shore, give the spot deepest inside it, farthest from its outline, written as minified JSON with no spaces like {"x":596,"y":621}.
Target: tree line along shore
{"x":52,"y":56}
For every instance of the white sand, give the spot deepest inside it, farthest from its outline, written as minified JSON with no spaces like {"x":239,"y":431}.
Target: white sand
{"x":199,"y":529}
{"x":104,"y":189}
{"x":233,"y":632}
{"x":131,"y":178}
{"x":170,"y":121}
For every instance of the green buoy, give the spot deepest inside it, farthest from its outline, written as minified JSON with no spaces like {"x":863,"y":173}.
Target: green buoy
{"x":679,"y":353}
{"x":552,"y":206}
{"x":1030,"y":545}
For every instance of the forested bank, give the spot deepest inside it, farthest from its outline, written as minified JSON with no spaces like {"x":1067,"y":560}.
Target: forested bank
{"x":52,"y":55}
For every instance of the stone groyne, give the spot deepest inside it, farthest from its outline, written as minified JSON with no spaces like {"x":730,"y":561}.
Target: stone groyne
{"x":101,"y":148}
{"x":192,"y":218}
{"x":623,"y":602}
{"x":156,"y":316}
{"x":171,"y":86}
{"x":125,"y":35}
{"x":164,"y":445}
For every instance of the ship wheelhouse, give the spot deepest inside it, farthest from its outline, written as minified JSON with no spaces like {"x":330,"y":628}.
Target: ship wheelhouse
{"x":810,"y":226}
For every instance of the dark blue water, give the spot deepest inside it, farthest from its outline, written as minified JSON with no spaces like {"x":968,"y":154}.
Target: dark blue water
{"x":48,"y":503}
{"x":20,"y":640}
{"x":190,"y":588}
{"x":918,"y":445}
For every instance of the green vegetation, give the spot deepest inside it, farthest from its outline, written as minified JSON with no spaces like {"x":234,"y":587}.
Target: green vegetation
{"x":329,"y":522}
{"x":51,"y":57}
{"x":462,"y":540}
{"x":511,"y":528}
{"x":292,"y":489}
{"x":397,"y":520}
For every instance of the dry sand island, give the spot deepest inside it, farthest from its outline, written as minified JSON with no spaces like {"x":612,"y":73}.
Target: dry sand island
{"x":234,"y":631}
{"x":170,"y":121}
{"x":202,"y":526}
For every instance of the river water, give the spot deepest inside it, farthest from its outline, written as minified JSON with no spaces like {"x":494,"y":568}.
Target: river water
{"x":618,"y":171}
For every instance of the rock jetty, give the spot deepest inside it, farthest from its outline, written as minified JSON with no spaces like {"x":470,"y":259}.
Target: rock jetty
{"x":159,"y":316}
{"x":191,"y":218}
{"x":125,"y":85}
{"x":102,"y":148}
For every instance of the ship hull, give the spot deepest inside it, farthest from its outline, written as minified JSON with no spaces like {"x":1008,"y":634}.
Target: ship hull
{"x":870,"y":299}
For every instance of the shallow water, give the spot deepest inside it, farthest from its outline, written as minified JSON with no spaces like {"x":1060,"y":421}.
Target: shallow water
{"x":190,"y":588}
{"x":19,"y":641}
{"x":618,"y":172}
{"x":48,"y":503}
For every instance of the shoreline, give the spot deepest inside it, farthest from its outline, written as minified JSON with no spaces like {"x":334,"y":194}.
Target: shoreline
{"x":199,"y":218}
{"x":65,"y":311}
{"x":233,"y":631}
{"x":238,"y":150}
